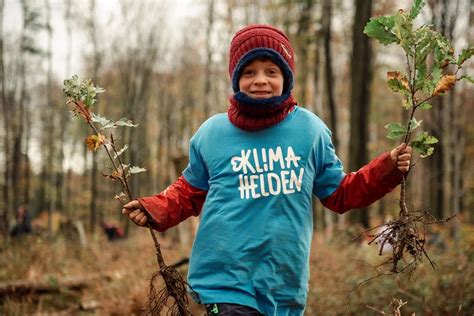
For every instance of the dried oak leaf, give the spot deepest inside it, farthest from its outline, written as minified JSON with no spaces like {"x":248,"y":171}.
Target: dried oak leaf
{"x":94,"y":141}
{"x":113,"y":176}
{"x":402,"y":79}
{"x":445,"y":84}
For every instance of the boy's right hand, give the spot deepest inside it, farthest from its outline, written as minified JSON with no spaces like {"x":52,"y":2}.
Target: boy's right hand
{"x":136,"y":212}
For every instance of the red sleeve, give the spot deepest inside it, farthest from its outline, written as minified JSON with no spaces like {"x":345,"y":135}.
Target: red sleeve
{"x":172,"y":206}
{"x":367,"y":185}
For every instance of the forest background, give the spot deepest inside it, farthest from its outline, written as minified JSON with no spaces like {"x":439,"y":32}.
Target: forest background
{"x":163,"y":65}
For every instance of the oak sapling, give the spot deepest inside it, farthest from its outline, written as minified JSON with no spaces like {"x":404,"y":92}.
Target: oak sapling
{"x":432,"y":70}
{"x":82,"y":95}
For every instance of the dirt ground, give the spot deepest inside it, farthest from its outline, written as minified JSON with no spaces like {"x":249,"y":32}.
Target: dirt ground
{"x":125,"y":266}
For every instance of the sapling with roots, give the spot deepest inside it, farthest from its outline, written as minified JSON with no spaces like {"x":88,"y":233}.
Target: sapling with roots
{"x":82,"y":95}
{"x":432,"y":69}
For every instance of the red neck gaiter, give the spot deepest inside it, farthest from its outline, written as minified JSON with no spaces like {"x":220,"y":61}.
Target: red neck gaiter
{"x":256,"y":114}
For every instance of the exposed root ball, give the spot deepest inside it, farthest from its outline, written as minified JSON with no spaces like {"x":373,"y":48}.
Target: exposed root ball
{"x":174,"y":288}
{"x":406,"y":235}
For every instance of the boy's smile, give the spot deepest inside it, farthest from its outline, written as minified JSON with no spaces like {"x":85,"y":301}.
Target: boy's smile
{"x":261,"y":79}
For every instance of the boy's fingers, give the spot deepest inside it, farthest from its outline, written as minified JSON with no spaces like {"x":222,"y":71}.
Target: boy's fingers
{"x":407,"y":149}
{"x":135,"y":213}
{"x":400,"y":147}
{"x":132,"y":204}
{"x":404,"y":157}
{"x":140,"y":219}
{"x":143,"y":221}
{"x":126,"y":211}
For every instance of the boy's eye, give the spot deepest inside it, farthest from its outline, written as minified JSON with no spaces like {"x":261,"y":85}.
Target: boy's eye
{"x":272,"y":71}
{"x":248,"y":72}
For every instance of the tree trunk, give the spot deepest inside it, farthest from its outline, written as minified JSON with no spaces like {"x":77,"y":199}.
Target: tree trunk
{"x":443,"y":199}
{"x":63,"y":112}
{"x":208,"y":67}
{"x":304,"y":40}
{"x":361,"y":76}
{"x":65,"y":191}
{"x":5,"y":215}
{"x":49,"y":121}
{"x":329,"y":77}
{"x":97,"y":61}
{"x":328,"y":95}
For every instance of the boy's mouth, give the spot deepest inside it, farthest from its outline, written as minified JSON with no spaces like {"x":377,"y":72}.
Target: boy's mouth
{"x":261,"y":93}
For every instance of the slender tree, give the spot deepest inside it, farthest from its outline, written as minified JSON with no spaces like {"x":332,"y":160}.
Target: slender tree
{"x":5,"y":216}
{"x":328,"y":70}
{"x":48,"y":121}
{"x":304,"y":38}
{"x":361,"y":75}
{"x":209,"y":51}
{"x":95,"y":73}
{"x":62,"y":187}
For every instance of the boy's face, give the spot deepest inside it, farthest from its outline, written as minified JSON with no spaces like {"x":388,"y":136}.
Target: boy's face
{"x":261,"y":79}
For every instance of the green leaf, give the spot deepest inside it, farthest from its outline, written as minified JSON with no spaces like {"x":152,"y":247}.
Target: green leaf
{"x":395,"y":130}
{"x":96,"y":118}
{"x":416,"y":8}
{"x":424,"y":43}
{"x":425,"y":106}
{"x":387,"y":20}
{"x":467,"y":78}
{"x":415,"y":124}
{"x":136,"y":169}
{"x":106,"y":123}
{"x":422,"y":143}
{"x":421,"y":75}
{"x":403,"y":30}
{"x":121,"y":151}
{"x":380,"y":28}
{"x":429,"y":85}
{"x":443,"y":50}
{"x":466,"y":53}
{"x":125,"y":122}
{"x":442,"y":42}
{"x":83,"y":91}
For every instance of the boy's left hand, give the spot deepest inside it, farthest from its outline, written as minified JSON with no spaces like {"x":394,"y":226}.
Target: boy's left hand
{"x":401,"y":157}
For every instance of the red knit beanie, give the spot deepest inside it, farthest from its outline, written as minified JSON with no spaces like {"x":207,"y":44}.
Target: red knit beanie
{"x":257,"y":41}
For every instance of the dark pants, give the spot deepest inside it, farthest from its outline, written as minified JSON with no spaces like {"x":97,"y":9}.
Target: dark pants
{"x":226,"y":309}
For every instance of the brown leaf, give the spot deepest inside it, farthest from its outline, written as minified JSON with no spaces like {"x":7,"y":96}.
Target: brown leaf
{"x":396,"y":75}
{"x":94,"y":141}
{"x":113,"y":176}
{"x":445,"y":84}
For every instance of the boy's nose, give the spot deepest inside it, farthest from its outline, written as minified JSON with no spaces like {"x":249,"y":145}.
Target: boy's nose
{"x":260,"y":78}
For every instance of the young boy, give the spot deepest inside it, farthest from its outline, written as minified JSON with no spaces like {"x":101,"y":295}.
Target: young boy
{"x":253,"y":172}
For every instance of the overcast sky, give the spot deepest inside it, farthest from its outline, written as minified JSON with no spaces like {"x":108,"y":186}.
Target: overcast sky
{"x":178,"y":11}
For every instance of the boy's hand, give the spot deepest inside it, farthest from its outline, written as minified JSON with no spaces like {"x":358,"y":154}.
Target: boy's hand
{"x":401,"y":157}
{"x":136,"y":212}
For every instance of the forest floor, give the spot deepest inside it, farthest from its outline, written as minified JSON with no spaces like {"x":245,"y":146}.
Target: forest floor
{"x":337,"y":266}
